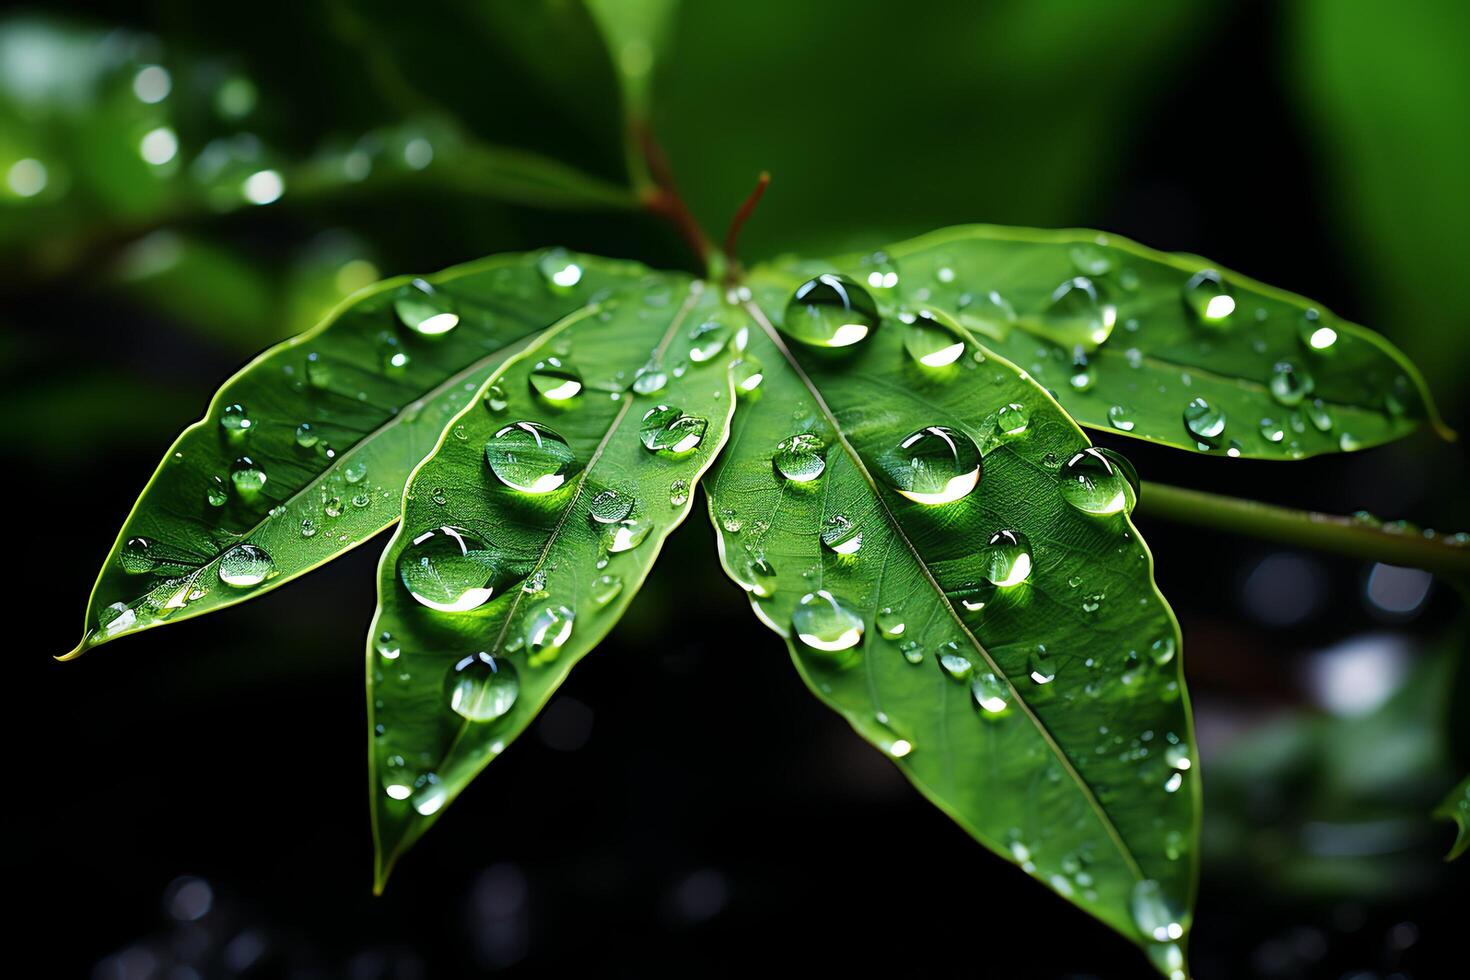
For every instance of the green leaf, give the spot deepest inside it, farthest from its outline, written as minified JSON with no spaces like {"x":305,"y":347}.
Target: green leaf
{"x":1167,"y":348}
{"x":373,"y":394}
{"x":529,"y":529}
{"x":1456,"y":807}
{"x":1045,"y":714}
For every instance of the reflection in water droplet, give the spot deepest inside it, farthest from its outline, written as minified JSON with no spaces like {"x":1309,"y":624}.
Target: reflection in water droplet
{"x":424,"y":310}
{"x":990,"y":693}
{"x":245,"y":566}
{"x":708,"y":339}
{"x":1318,"y":412}
{"x":387,"y":646}
{"x":1099,"y":481}
{"x":747,"y":374}
{"x":216,"y":494}
{"x":1077,"y":310}
{"x":830,"y":311}
{"x":559,"y":271}
{"x":890,"y":623}
{"x":955,"y":664}
{"x":248,"y":478}
{"x":1042,"y":668}
{"x":235,"y":423}
{"x":931,"y":340}
{"x":823,"y":623}
{"x":668,"y":430}
{"x":1006,"y":560}
{"x":800,"y":458}
{"x":1121,"y":418}
{"x":650,"y":378}
{"x":482,"y":687}
{"x":841,"y":535}
{"x":934,"y":465}
{"x":759,"y":578}
{"x":678,"y":493}
{"x":448,"y":569}
{"x":1207,"y":295}
{"x":1163,"y":650}
{"x":555,"y":381}
{"x":306,"y":436}
{"x":548,"y":630}
{"x":1152,"y":912}
{"x":530,"y":457}
{"x":625,"y":535}
{"x":1203,"y":420}
{"x":495,"y":399}
{"x":1290,"y":384}
{"x":606,"y":588}
{"x":1316,"y":334}
{"x":608,"y":506}
{"x":1012,"y":420}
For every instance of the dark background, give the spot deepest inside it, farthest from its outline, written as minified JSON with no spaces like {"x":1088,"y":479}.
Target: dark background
{"x":190,"y":802}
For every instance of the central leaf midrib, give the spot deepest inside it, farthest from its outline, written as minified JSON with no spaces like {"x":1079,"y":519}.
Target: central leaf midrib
{"x":1123,"y":849}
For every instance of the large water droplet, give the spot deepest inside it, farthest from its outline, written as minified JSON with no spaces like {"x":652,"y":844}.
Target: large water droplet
{"x":842,"y":535}
{"x":424,"y":310}
{"x":449,"y":569}
{"x":1203,"y":420}
{"x":800,"y":458}
{"x":559,"y":271}
{"x":668,"y":430}
{"x":934,"y":465}
{"x":548,"y":630}
{"x":1207,"y":295}
{"x":1078,"y":314}
{"x":1153,"y":914}
{"x":482,"y":687}
{"x":1006,"y":560}
{"x":248,"y":478}
{"x":823,"y":623}
{"x":608,"y":506}
{"x":932,"y":341}
{"x":555,"y":382}
{"x":1099,"y":481}
{"x":830,"y":311}
{"x":245,"y":566}
{"x":529,"y":457}
{"x":235,"y":423}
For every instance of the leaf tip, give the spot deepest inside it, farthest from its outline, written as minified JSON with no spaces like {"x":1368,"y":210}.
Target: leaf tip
{"x":75,"y":651}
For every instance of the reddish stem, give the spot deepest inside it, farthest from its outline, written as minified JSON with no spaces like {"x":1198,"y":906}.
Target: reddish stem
{"x":663,"y":198}
{"x":741,"y":216}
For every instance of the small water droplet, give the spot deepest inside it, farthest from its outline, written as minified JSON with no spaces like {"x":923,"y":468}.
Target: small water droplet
{"x":355,"y":471}
{"x":606,"y":588}
{"x":495,"y":399}
{"x":235,"y":423}
{"x":931,"y":340}
{"x":1077,"y":311}
{"x":1320,"y":415}
{"x":1099,"y":481}
{"x":991,"y":694}
{"x":650,"y":378}
{"x":1207,"y":295}
{"x":608,"y":506}
{"x":387,"y":646}
{"x":1042,"y":668}
{"x":890,"y":623}
{"x":830,"y":311}
{"x":548,"y":630}
{"x":708,"y":339}
{"x":1121,"y":418}
{"x":1082,"y":376}
{"x":934,"y":465}
{"x":1091,"y":260}
{"x":424,"y":310}
{"x":823,"y":623}
{"x":1203,"y":420}
{"x":1290,"y":384}
{"x":248,"y":478}
{"x":449,"y":569}
{"x":482,"y":687}
{"x":678,"y":493}
{"x":306,"y":436}
{"x":759,"y":578}
{"x":216,"y":494}
{"x":625,"y":535}
{"x":801,"y":457}
{"x":559,"y":271}
{"x":1153,"y":914}
{"x":842,"y":536}
{"x":1012,"y":421}
{"x":555,"y":381}
{"x":530,"y":457}
{"x":308,"y":527}
{"x":1316,"y":334}
{"x":1006,"y":560}
{"x":245,"y":566}
{"x":955,"y":664}
{"x":669,"y":431}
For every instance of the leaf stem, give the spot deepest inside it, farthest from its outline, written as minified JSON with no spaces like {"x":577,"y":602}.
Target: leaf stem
{"x":1310,"y":529}
{"x":664,"y":200}
{"x":732,"y":236}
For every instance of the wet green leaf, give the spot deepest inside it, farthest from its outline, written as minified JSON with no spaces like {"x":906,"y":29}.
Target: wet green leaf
{"x":304,"y":453}
{"x":1456,"y":807}
{"x":1167,"y":348}
{"x":529,"y":529}
{"x":955,"y":572}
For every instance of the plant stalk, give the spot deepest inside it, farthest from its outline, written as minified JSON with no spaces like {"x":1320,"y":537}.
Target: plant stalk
{"x":1309,"y":529}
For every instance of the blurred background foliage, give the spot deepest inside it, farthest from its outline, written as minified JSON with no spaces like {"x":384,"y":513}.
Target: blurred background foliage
{"x":181,"y":186}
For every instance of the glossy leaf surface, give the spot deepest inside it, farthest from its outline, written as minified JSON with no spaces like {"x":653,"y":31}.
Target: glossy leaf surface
{"x":305,"y":452}
{"x":1168,"y":348}
{"x":1008,"y":649}
{"x":1456,"y":807}
{"x":529,"y":529}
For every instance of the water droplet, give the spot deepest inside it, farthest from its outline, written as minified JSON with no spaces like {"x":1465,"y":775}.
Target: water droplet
{"x":1090,"y":260}
{"x":1006,"y":560}
{"x":1272,"y":430}
{"x":245,"y":566}
{"x":625,"y":535}
{"x":991,"y":694}
{"x":668,"y":430}
{"x":556,"y":382}
{"x":1163,"y":650}
{"x":890,"y":623}
{"x":429,"y":794}
{"x":759,"y":578}
{"x":800,"y":458}
{"x":1349,"y":443}
{"x":394,"y":358}
{"x":1152,"y":913}
{"x":830,"y":311}
{"x":975,"y":596}
{"x":1318,"y":412}
{"x":747,"y":375}
{"x":424,"y":310}
{"x":1077,"y":311}
{"x":880,"y":271}
{"x":842,"y":536}
{"x":308,"y":527}
{"x":1290,"y":384}
{"x":306,"y":436}
{"x":387,"y":646}
{"x":332,"y":507}
{"x":1082,"y":376}
{"x":650,"y":378}
{"x":1318,"y":337}
{"x":139,"y":556}
{"x":548,"y":630}
{"x":482,"y":687}
{"x":495,"y":399}
{"x":354,"y":472}
{"x":824,"y":624}
{"x":559,"y":271}
{"x":708,"y":339}
{"x":934,"y":465}
{"x":954,"y":663}
{"x":318,"y":371}
{"x":606,"y":588}
{"x":1207,"y":295}
{"x":911,"y":651}
{"x":608,"y":506}
{"x":248,"y":478}
{"x":216,"y":494}
{"x":1203,"y":420}
{"x":1121,"y":418}
{"x":678,"y":493}
{"x":1099,"y":481}
{"x":449,"y":569}
{"x":1012,"y":420}
{"x":1042,"y":668}
{"x":932,"y":341}
{"x":235,"y":423}
{"x":530,"y":457}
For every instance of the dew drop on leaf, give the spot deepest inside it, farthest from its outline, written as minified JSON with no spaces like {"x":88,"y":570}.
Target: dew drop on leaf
{"x":608,"y":506}
{"x":747,"y":375}
{"x":841,"y":535}
{"x":530,"y":457}
{"x":1204,"y":420}
{"x":956,"y":665}
{"x":708,"y":339}
{"x":1120,"y":417}
{"x":555,"y":381}
{"x":306,"y":436}
{"x":823,"y":623}
{"x":1077,"y":310}
{"x":990,"y":693}
{"x":248,"y":478}
{"x":216,"y":494}
{"x":678,"y":493}
{"x":245,"y":566}
{"x":1099,"y":481}
{"x":890,"y":623}
{"x":424,"y":310}
{"x":1207,"y":296}
{"x":1316,"y":334}
{"x":547,"y":630}
{"x":482,"y":687}
{"x":1012,"y":420}
{"x":235,"y":423}
{"x":830,"y":311}
{"x":801,"y":457}
{"x":934,"y":465}
{"x":1290,"y":384}
{"x":448,"y":569}
{"x":606,"y":588}
{"x":930,"y":341}
{"x":669,"y":431}
{"x":560,"y":273}
{"x":1153,"y":914}
{"x":1006,"y":559}
{"x":625,"y":535}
